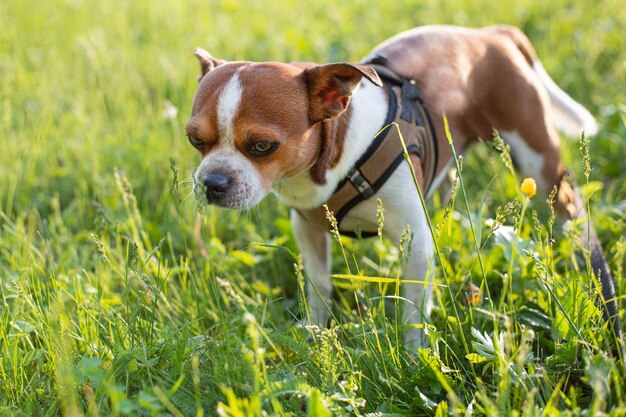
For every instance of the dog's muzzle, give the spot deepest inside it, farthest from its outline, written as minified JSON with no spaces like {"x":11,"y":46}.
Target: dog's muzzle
{"x":226,"y":190}
{"x":229,"y":180}
{"x":219,"y":189}
{"x":215,"y":186}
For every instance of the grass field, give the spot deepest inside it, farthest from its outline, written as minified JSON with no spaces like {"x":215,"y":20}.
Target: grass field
{"x":110,"y":304}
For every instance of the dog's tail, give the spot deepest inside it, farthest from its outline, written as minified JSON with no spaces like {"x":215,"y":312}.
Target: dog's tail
{"x":568,"y":116}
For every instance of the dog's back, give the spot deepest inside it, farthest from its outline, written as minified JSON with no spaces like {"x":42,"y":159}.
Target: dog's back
{"x":471,"y":74}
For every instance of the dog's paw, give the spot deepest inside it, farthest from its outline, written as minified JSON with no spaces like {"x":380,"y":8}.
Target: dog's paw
{"x":310,"y":331}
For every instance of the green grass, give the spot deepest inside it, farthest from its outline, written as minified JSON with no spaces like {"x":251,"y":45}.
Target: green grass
{"x":110,"y":308}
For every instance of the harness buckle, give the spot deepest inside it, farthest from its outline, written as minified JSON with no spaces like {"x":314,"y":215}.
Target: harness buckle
{"x":360,"y":183}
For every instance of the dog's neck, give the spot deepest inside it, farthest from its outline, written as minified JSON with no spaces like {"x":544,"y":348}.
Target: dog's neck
{"x":369,"y":106}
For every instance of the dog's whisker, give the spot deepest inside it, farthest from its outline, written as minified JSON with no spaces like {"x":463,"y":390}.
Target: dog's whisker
{"x":187,"y":188}
{"x":189,"y":194}
{"x":186,"y":185}
{"x":253,"y":215}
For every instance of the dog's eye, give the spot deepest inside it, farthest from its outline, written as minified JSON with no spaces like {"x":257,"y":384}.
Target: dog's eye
{"x":195,"y":142}
{"x":262,"y":148}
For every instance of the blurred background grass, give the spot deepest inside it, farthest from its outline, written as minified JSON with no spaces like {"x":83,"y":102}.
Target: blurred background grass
{"x":85,"y":84}
{"x":102,"y":284}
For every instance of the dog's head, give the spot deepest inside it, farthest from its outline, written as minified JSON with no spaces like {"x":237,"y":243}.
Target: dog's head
{"x":256,"y":123}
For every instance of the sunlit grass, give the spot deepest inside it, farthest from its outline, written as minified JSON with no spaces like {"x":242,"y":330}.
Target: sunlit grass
{"x":118,"y":299}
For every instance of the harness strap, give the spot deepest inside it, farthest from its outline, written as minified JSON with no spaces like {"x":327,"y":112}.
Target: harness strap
{"x":385,"y":153}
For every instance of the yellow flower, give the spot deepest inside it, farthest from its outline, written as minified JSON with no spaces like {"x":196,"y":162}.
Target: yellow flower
{"x":473,"y":294}
{"x":529,"y":187}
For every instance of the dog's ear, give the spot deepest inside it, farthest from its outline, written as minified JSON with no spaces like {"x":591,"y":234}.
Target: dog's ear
{"x":207,"y":62}
{"x":330,"y":87}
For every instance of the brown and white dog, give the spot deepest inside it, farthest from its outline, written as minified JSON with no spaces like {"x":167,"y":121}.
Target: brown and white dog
{"x":297,"y":129}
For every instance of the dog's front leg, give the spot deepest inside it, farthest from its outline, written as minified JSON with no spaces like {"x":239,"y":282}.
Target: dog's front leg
{"x":314,"y":246}
{"x":419,"y":266}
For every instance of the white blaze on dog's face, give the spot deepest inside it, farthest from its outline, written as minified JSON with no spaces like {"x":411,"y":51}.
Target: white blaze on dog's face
{"x":255,"y":123}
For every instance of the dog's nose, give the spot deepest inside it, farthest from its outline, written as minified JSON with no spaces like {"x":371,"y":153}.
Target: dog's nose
{"x":216,"y":185}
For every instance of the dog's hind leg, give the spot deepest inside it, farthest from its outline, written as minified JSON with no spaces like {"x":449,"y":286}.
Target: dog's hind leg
{"x":573,"y":119}
{"x":535,"y":150}
{"x":314,"y":245}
